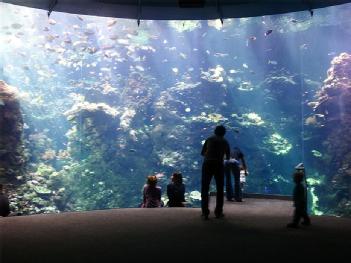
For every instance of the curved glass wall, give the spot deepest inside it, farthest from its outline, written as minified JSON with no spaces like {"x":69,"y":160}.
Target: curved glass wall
{"x":89,"y":106}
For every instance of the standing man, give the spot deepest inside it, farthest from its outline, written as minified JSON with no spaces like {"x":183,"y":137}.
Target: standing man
{"x":213,"y":150}
{"x":4,"y":203}
{"x":232,"y":166}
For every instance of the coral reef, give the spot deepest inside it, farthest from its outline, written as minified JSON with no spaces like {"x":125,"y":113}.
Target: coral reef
{"x":11,"y":128}
{"x":333,"y":103}
{"x":277,"y":144}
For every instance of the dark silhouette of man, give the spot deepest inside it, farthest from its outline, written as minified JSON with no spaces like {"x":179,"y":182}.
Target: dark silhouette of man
{"x":232,"y":166}
{"x":4,"y":203}
{"x":213,"y":150}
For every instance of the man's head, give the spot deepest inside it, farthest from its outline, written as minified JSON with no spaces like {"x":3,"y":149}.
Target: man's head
{"x":220,"y":130}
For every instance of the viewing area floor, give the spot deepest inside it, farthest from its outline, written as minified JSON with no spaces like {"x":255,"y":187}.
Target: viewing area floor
{"x":252,"y":230}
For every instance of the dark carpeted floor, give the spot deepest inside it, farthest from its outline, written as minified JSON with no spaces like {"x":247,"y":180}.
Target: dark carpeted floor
{"x":252,"y":230}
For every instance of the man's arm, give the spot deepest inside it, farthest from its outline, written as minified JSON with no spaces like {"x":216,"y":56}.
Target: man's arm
{"x":204,"y":148}
{"x":227,"y":151}
{"x":244,"y":164}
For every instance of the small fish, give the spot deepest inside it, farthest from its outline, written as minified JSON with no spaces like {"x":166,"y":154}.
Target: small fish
{"x":221,"y":55}
{"x":89,"y":32}
{"x":272,"y":62}
{"x":303,"y":46}
{"x":182,"y":55}
{"x":313,"y":104}
{"x":245,"y":65}
{"x":111,"y":22}
{"x":294,"y":21}
{"x":253,"y":38}
{"x":316,"y":153}
{"x":113,"y":37}
{"x":140,"y":68}
{"x":67,"y":41}
{"x":187,"y":110}
{"x":175,"y":70}
{"x":80,"y":18}
{"x":268,"y":32}
{"x":52,"y":22}
{"x":319,"y":115}
{"x":132,"y":150}
{"x":16,"y":26}
{"x":50,"y":38}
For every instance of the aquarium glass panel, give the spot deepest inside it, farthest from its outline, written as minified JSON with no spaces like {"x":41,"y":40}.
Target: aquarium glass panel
{"x":90,"y":106}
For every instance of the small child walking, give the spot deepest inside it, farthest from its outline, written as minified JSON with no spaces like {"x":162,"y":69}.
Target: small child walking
{"x":299,"y":197}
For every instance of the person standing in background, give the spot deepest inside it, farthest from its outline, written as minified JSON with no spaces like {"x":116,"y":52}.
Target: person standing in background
{"x":232,"y":166}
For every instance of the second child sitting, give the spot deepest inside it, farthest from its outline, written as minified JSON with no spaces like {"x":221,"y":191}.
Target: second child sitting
{"x":176,"y":191}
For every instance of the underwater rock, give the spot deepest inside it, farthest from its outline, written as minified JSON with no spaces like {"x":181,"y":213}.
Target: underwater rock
{"x":85,"y":109}
{"x":127,"y":117}
{"x":277,"y":86}
{"x":334,"y":104}
{"x":216,"y":74}
{"x":196,"y":195}
{"x":249,"y":119}
{"x":335,"y":95}
{"x":277,"y":144}
{"x":11,"y":127}
{"x":41,"y":190}
{"x":208,"y":118}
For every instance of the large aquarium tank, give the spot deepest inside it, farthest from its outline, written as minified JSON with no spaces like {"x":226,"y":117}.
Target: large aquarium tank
{"x":90,"y":106}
